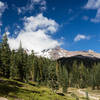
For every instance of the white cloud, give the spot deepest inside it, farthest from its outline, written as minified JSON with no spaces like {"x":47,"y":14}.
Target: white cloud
{"x":3,"y":6}
{"x":94,"y":5}
{"x":81,"y":37}
{"x":7,"y":33}
{"x":19,"y":10}
{"x":31,"y":4}
{"x":7,"y":30}
{"x":36,"y":1}
{"x":34,"y":35}
{"x":40,"y":22}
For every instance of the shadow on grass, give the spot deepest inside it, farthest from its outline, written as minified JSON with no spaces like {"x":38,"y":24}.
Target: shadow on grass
{"x":61,"y":94}
{"x":32,"y":84}
{"x":8,"y":86}
{"x":30,"y":91}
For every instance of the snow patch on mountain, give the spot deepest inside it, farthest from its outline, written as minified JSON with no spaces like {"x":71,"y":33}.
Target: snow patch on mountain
{"x":56,"y":53}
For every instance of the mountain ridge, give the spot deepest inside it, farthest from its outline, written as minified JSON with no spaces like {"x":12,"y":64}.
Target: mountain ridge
{"x":56,"y":53}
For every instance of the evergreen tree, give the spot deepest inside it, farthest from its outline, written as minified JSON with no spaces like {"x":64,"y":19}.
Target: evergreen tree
{"x":63,"y":78}
{"x":26,"y":67}
{"x":74,"y":75}
{"x":82,"y":74}
{"x":52,"y":77}
{"x":31,"y":65}
{"x":40,"y":66}
{"x":13,"y":65}
{"x":5,"y":57}
{"x":92,"y":74}
{"x":21,"y":63}
{"x":95,"y":76}
{"x":36,"y":70}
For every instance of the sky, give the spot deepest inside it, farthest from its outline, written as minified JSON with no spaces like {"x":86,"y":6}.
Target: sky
{"x":41,"y":24}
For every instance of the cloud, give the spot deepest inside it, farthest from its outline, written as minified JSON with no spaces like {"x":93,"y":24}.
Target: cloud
{"x":36,"y":34}
{"x":94,"y":5}
{"x":7,"y":33}
{"x":97,"y":18}
{"x":81,"y":37}
{"x":19,"y":10}
{"x":85,"y":18}
{"x":62,"y":38}
{"x":31,"y":4}
{"x":3,"y":6}
{"x":7,"y":30}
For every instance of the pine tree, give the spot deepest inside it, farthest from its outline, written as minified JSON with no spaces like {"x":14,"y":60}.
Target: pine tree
{"x":74,"y":75}
{"x":52,"y":77}
{"x":40,"y":66}
{"x":20,"y":63}
{"x":30,"y":63}
{"x":26,"y":67}
{"x":46,"y":64}
{"x":5,"y":57}
{"x":95,"y":76}
{"x":64,"y":79}
{"x":92,"y":74}
{"x":36,"y":70}
{"x":13,"y":65}
{"x":98,"y":76}
{"x":82,"y":75}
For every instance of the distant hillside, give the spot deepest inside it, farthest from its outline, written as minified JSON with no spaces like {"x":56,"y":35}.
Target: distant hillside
{"x":87,"y":61}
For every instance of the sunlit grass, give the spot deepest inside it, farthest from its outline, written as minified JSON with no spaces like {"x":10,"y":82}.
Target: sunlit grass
{"x":13,"y":90}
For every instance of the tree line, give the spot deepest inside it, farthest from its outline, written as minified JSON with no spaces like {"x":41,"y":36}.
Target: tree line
{"x":17,"y":64}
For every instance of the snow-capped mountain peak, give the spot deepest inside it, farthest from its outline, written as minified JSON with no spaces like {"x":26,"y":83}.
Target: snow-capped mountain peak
{"x":56,"y":53}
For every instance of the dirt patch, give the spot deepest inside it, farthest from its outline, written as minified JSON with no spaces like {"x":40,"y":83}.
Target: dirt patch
{"x":1,"y":98}
{"x":90,"y":96}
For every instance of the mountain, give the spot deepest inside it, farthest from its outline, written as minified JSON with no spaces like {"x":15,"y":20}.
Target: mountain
{"x":57,"y":53}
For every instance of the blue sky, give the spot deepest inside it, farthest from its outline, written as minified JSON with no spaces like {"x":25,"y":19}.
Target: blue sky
{"x":42,"y":24}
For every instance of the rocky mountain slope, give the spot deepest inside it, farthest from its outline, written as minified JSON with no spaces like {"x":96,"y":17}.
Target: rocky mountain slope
{"x":58,"y":52}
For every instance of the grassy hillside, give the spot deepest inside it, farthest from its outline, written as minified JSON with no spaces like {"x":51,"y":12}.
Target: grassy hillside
{"x":15,"y":90}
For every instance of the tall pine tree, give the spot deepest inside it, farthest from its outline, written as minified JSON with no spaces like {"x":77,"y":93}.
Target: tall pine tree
{"x":5,"y":57}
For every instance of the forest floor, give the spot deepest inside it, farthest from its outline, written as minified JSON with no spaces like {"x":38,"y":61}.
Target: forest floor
{"x":16,"y":90}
